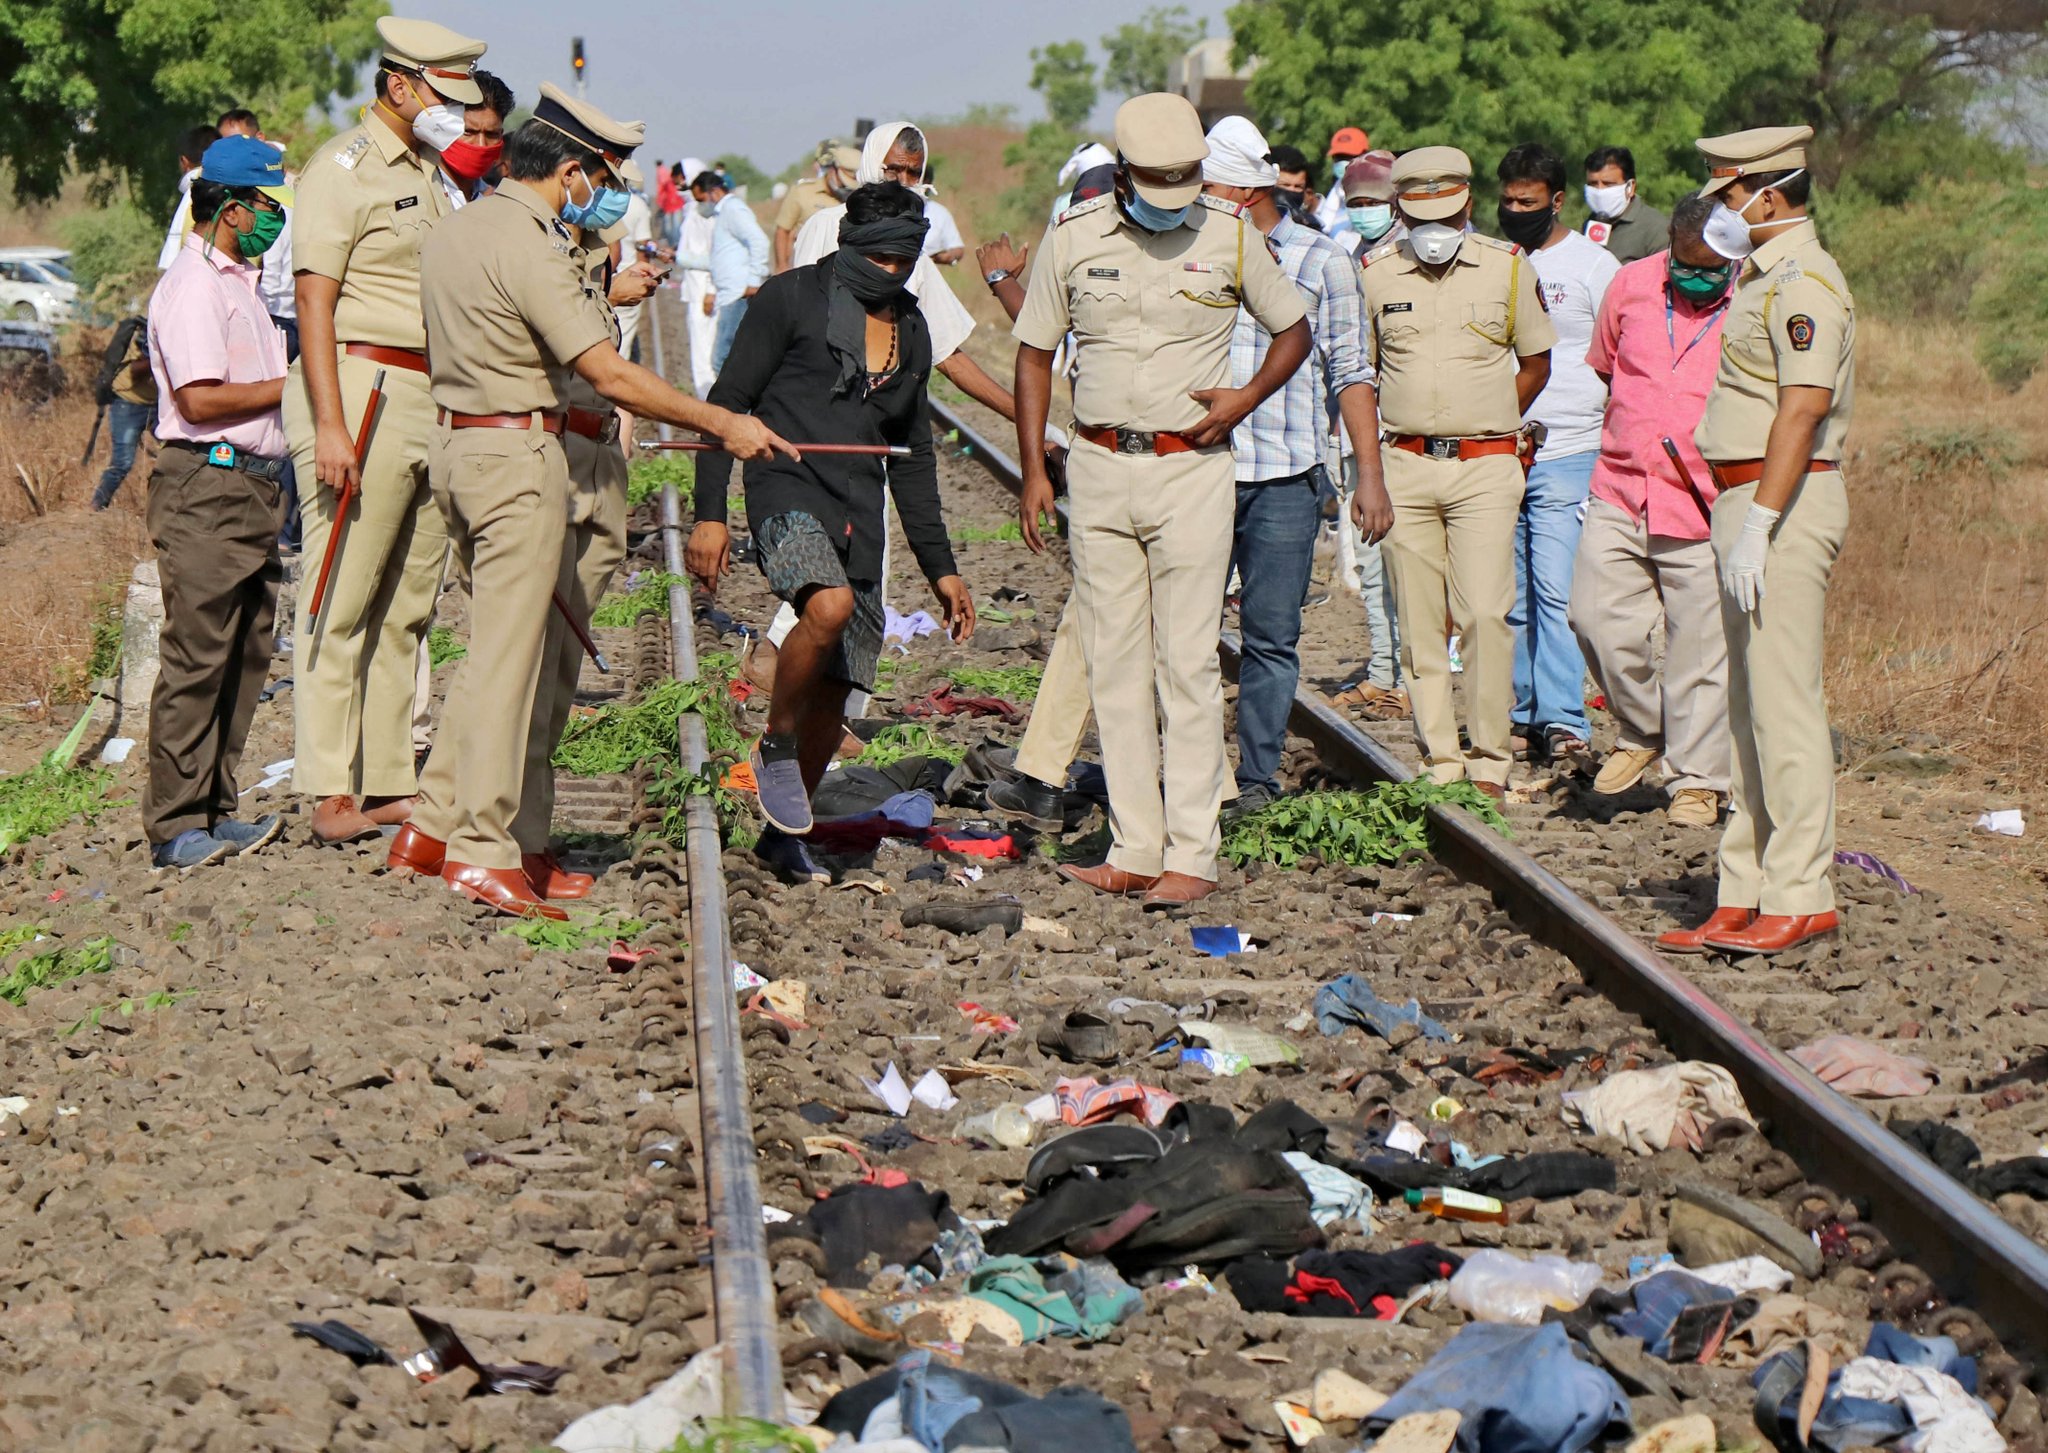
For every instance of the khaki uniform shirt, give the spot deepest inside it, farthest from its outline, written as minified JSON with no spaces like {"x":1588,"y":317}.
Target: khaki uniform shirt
{"x":1446,"y":342}
{"x":578,"y":391}
{"x":803,"y":201}
{"x":509,"y":306}
{"x":1152,"y":313}
{"x":364,"y":203}
{"x":1791,"y":322}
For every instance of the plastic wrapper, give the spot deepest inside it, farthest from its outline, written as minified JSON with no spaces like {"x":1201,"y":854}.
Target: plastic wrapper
{"x":1495,"y":1286}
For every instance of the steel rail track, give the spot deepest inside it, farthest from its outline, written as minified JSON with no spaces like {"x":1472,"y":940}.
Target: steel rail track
{"x":1973,"y":1256}
{"x":742,"y":1288}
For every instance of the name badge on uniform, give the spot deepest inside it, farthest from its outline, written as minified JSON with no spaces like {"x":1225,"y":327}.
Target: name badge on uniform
{"x":1104,"y":272}
{"x":1599,"y":232}
{"x":221,"y":456}
{"x":1198,"y":267}
{"x":1398,"y":308}
{"x":403,"y":202}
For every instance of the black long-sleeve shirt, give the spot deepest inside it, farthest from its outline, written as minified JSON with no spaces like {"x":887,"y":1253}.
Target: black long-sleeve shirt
{"x":781,"y":371}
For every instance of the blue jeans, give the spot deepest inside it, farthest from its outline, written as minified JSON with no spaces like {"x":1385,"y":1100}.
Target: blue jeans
{"x":729,"y":315}
{"x":288,"y":532}
{"x":1273,"y":549}
{"x":125,"y":423}
{"x":1550,"y":670}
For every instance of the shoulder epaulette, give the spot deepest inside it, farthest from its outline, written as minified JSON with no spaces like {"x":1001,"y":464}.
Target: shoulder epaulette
{"x":1222,"y":204}
{"x":1082,"y":209}
{"x":1385,"y":249}
{"x":1494,"y":242}
{"x":349,"y":155}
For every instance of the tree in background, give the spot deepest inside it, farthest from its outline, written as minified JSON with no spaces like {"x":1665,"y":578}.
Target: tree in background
{"x":1137,"y":56}
{"x":743,"y":174}
{"x":1065,"y":77}
{"x":104,"y":87}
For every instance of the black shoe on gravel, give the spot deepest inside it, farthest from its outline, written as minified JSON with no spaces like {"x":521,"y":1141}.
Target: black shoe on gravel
{"x":1256,"y":798}
{"x":779,"y":780}
{"x":1026,"y":799}
{"x":789,"y":858}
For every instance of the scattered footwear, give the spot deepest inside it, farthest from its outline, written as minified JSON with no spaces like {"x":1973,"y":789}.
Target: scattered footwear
{"x":389,"y":811}
{"x":504,"y":889}
{"x":1106,"y":879}
{"x":1495,"y":790}
{"x":412,"y":851}
{"x":1080,"y":1038}
{"x":1624,"y":768}
{"x":779,"y":780}
{"x":551,"y":880}
{"x":247,"y":837}
{"x":1255,"y":798}
{"x":969,"y":917}
{"x":1174,"y":891}
{"x":1394,"y":706}
{"x":1694,"y":940}
{"x":1694,"y":807}
{"x":1774,"y":933}
{"x":337,"y":820}
{"x":1026,"y":799}
{"x":837,"y":1320}
{"x":789,"y":858}
{"x":193,"y":848}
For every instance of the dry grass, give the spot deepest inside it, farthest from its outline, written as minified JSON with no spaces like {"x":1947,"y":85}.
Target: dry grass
{"x":1938,"y":617}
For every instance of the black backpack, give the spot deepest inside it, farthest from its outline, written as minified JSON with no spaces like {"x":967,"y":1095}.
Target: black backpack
{"x":115,"y":359}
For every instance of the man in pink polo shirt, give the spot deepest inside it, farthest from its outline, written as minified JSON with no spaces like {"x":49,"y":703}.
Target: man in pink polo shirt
{"x":215,"y":501}
{"x":1644,"y":553}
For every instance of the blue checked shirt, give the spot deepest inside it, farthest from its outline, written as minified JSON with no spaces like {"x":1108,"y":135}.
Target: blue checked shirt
{"x":1288,"y":434}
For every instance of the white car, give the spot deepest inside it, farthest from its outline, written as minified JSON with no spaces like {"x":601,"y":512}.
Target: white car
{"x":36,"y":285}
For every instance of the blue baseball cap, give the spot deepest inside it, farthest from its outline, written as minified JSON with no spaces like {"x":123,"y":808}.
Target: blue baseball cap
{"x":242,"y":161}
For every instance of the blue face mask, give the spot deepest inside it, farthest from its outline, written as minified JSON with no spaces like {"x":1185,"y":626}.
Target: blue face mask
{"x":605,"y":207}
{"x":1373,"y":222}
{"x":1154,"y":219}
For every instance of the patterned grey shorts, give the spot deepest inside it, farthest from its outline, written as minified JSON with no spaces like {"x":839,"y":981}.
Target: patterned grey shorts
{"x":797,"y":555}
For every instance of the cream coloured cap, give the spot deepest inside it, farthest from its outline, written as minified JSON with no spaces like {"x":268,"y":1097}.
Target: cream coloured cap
{"x":1162,"y":134}
{"x":1759,"y":149}
{"x":446,"y":58}
{"x":1432,"y":182}
{"x":587,"y":126}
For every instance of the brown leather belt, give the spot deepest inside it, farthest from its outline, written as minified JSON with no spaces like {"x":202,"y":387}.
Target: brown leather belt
{"x":1438,"y":447}
{"x":411,"y":359}
{"x":1737,"y":472}
{"x":590,"y":424}
{"x":549,"y":423}
{"x":1135,"y":441}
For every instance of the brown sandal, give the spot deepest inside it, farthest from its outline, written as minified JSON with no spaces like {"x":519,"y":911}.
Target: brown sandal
{"x":1392,"y":706}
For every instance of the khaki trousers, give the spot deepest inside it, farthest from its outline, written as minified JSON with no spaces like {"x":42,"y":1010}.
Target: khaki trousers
{"x":1150,"y":539}
{"x":353,"y":678}
{"x":1061,"y":712}
{"x":1452,"y":551}
{"x":215,"y":532}
{"x":1780,"y":841}
{"x":592,"y":549}
{"x":1627,"y":582}
{"x":506,"y":495}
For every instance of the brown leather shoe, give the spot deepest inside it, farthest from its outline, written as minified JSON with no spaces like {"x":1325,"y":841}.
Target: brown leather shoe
{"x":389,"y":811}
{"x":1773,"y":933}
{"x":412,"y":851}
{"x":1176,"y":890}
{"x":1105,"y":879}
{"x":551,"y":880}
{"x":1498,"y":793}
{"x":504,"y":889}
{"x":1694,"y":940}
{"x":338,"y":820}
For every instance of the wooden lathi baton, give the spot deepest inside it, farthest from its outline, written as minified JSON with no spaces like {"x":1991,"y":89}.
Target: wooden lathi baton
{"x":589,"y":646}
{"x":346,"y":498}
{"x":887,"y":451}
{"x":1685,"y":474}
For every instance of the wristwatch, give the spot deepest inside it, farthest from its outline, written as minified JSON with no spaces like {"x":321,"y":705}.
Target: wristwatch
{"x":1001,"y":274}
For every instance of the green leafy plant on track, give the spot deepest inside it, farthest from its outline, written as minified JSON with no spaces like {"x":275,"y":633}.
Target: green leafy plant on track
{"x":647,"y":595}
{"x":619,"y":737}
{"x":741,"y":1435}
{"x":127,"y":1009}
{"x":908,"y":739}
{"x":1357,"y":829}
{"x":583,"y":930}
{"x":1013,"y":683}
{"x":672,"y":789}
{"x":983,"y":534}
{"x":443,"y":646}
{"x":50,"y":794}
{"x":646,"y":476}
{"x":56,"y":965}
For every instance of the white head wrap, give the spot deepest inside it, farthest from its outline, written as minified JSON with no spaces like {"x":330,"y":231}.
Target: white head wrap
{"x":1237,"y":155}
{"x":879,"y":144}
{"x":1087,"y":156}
{"x":692,"y":166}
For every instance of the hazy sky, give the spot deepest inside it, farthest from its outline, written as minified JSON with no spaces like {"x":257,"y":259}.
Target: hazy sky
{"x":768,"y":78}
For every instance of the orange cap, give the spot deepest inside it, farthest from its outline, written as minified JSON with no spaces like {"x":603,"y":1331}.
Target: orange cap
{"x":1350,"y":141}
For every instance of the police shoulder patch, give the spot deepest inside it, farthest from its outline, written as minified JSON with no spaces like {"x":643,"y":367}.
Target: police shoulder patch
{"x":1385,"y":249}
{"x":1221,"y":204}
{"x":1799,"y":328}
{"x":349,"y":155}
{"x":1494,"y":242}
{"x":1082,"y":209}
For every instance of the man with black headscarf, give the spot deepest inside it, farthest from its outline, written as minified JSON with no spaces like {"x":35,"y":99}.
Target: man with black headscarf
{"x":836,"y":353}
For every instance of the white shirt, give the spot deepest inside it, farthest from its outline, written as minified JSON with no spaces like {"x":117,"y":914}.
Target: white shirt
{"x":181,"y":221}
{"x":1573,"y":275}
{"x":945,"y":316}
{"x":943,"y":235}
{"x":275,"y":285}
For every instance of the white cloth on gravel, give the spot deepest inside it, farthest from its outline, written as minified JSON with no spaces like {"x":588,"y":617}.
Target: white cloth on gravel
{"x":1946,"y":1419}
{"x":1652,"y":1110}
{"x":1745,"y":1274}
{"x":656,"y":1421}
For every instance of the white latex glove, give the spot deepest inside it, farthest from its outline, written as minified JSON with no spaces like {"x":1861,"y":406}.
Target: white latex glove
{"x":1056,"y":437}
{"x":1742,"y":573}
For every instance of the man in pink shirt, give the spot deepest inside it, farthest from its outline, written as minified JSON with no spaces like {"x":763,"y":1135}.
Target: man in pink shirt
{"x":1644,"y":553}
{"x":215,"y":501}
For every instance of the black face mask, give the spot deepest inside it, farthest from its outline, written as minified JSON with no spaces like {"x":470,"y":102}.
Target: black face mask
{"x":1290,"y":201}
{"x":872,"y":285}
{"x":1527,"y":230}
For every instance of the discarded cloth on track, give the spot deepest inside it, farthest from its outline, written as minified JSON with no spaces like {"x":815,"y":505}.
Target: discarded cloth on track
{"x":1516,"y":1390}
{"x":1653,"y":1110}
{"x":943,"y":1409}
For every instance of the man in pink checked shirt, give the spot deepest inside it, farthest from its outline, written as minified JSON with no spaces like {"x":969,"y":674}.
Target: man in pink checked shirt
{"x":1644,"y":553}
{"x":215,"y":499}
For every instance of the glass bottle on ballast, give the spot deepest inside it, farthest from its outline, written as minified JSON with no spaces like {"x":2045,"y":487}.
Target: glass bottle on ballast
{"x":1452,"y":1204}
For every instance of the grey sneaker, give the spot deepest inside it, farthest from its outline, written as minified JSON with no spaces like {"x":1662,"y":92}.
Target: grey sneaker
{"x":790,"y":859}
{"x":246,"y":837}
{"x":193,"y":848}
{"x":1255,"y":798}
{"x":779,"y":782}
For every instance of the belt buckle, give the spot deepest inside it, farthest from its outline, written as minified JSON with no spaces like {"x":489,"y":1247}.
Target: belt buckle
{"x":1437,"y":448}
{"x":608,"y":431}
{"x":1133,"y":441}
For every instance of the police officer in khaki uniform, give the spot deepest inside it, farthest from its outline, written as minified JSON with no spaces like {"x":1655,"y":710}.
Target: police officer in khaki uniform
{"x":812,"y":195}
{"x":1461,"y":343}
{"x":364,"y":203}
{"x":1149,"y":279}
{"x":509,"y":315}
{"x":1773,"y":434}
